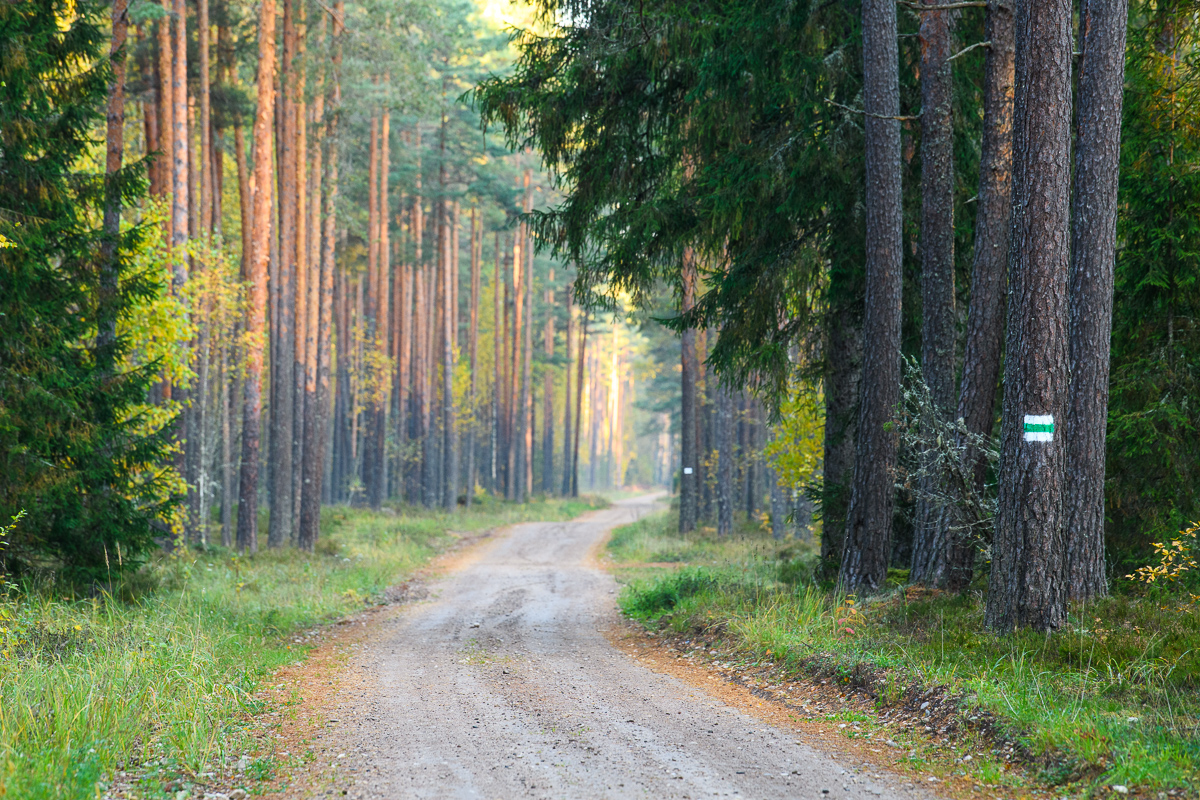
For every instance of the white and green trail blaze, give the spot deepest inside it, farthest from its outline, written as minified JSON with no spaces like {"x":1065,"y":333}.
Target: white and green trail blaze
{"x":1039,"y":428}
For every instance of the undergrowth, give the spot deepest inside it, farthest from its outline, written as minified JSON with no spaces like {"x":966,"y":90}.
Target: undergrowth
{"x":1114,"y":699}
{"x":157,"y":678}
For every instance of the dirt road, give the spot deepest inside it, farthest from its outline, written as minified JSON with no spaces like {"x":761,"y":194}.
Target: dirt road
{"x":504,"y":686}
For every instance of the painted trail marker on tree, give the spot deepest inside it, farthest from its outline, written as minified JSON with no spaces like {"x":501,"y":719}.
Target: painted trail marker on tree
{"x":1039,"y":428}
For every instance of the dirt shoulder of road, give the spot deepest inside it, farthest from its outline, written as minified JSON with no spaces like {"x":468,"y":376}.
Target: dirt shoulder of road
{"x":293,"y":758}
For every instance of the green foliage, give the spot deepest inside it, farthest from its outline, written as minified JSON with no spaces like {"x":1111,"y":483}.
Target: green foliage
{"x":74,"y":449}
{"x":1113,"y":699}
{"x":1154,"y":420}
{"x":159,"y":678}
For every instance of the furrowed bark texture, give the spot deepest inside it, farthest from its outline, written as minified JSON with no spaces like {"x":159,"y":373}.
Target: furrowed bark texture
{"x":256,"y":309}
{"x":872,"y":497}
{"x":993,"y":223}
{"x":1026,"y":587}
{"x":1094,"y":216}
{"x":938,"y":321}
{"x":843,"y":377}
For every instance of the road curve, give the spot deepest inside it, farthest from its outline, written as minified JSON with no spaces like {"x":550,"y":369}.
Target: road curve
{"x":503,"y":686}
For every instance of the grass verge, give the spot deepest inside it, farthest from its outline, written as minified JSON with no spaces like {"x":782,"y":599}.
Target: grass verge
{"x":1111,"y":703}
{"x":156,"y":684}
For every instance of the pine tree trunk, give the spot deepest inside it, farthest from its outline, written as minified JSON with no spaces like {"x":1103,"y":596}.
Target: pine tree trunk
{"x":283,"y":380}
{"x":579,"y":362}
{"x":548,"y":396}
{"x":843,"y":377}
{"x":383,"y":311}
{"x":449,"y":460}
{"x":527,"y":352}
{"x":938,"y":321}
{"x":513,"y":433}
{"x":1094,"y":217}
{"x":689,"y":477}
{"x":179,"y":208}
{"x":312,"y":467}
{"x":1026,"y":586}
{"x":985,"y":317}
{"x":106,"y":329}
{"x":206,"y":165}
{"x":868,"y":538}
{"x":303,"y":278}
{"x":568,"y":468}
{"x":164,"y":163}
{"x":725,"y":477}
{"x":256,"y":308}
{"x":473,"y":347}
{"x":498,"y":336}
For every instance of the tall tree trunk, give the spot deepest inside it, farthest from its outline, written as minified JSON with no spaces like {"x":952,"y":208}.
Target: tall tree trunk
{"x":473,"y":347}
{"x":179,"y":208}
{"x":985,"y":318}
{"x":938,"y":320}
{"x":526,"y":347}
{"x":567,"y":467}
{"x":1026,"y":586}
{"x":548,"y":395}
{"x":243,"y":170}
{"x":418,"y":229}
{"x":579,"y":365}
{"x":283,"y":364}
{"x":725,"y":422}
{"x":303,"y":276}
{"x":842,"y":379}
{"x":872,"y":497}
{"x":382,"y":308}
{"x":256,"y":308}
{"x":1094,"y":217}
{"x":166,"y":105}
{"x":449,"y":460}
{"x":498,"y":329}
{"x":689,"y":477}
{"x":106,"y":333}
{"x":206,"y":164}
{"x":512,"y":433}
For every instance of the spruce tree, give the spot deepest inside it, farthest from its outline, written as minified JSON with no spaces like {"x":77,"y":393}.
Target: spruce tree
{"x":75,"y":453}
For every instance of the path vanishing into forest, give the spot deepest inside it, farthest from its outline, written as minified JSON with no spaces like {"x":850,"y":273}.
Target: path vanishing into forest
{"x":503,"y":685}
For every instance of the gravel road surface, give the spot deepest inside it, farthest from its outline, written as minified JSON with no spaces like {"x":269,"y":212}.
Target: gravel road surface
{"x":504,"y":686}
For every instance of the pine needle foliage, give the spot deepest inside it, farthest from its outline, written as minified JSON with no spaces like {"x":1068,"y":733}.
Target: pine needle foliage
{"x":720,"y":128}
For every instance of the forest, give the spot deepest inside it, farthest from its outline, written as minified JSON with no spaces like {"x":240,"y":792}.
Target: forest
{"x":889,"y":308}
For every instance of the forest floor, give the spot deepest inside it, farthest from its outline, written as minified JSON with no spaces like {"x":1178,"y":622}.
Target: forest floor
{"x":513,"y":675}
{"x":164,"y":684}
{"x":1109,"y":707}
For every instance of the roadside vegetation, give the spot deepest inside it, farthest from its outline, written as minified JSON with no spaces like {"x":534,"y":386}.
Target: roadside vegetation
{"x":156,"y":675}
{"x":1111,"y":701}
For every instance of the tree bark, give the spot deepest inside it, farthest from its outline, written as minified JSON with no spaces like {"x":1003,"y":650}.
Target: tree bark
{"x":382,"y":308}
{"x":725,"y":458}
{"x":1026,"y":586}
{"x":867,"y":544}
{"x":1094,"y":219}
{"x":179,"y":207}
{"x":548,"y":395}
{"x":473,"y":347}
{"x":843,"y":378}
{"x":256,"y":308}
{"x":567,"y":469}
{"x":206,"y":163}
{"x":283,"y":393}
{"x":498,"y":329}
{"x":689,"y":477}
{"x":106,"y":332}
{"x":302,"y":272}
{"x":449,"y":461}
{"x":938,"y":320}
{"x":579,"y":365}
{"x":985,"y":317}
{"x":163,"y":164}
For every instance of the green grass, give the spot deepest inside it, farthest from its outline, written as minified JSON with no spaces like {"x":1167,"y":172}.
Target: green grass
{"x":159,"y":680}
{"x":1113,"y":699}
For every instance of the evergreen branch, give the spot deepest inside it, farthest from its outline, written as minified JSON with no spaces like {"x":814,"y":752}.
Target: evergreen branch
{"x":966,"y":50}
{"x":864,"y":112}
